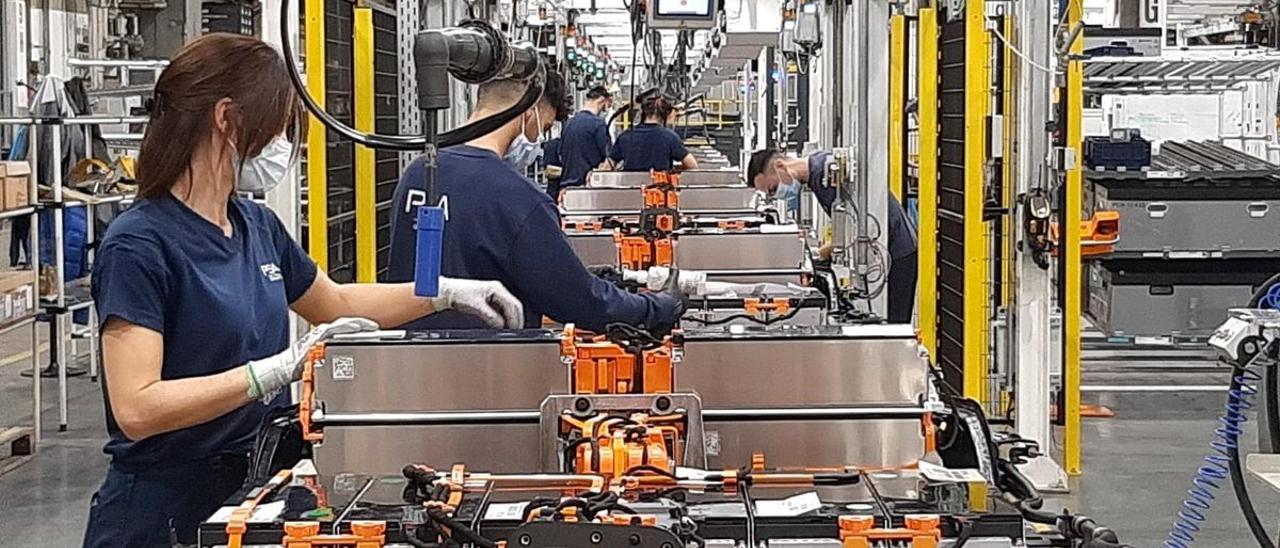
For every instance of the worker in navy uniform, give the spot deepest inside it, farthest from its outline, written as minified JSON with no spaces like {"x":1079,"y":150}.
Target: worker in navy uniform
{"x":650,"y":145}
{"x":780,"y":176}
{"x":584,"y":141}
{"x":500,"y":227}
{"x":194,"y":286}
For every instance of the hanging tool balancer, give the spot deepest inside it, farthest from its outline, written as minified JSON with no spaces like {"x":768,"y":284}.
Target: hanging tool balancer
{"x":652,"y":242}
{"x":474,"y":52}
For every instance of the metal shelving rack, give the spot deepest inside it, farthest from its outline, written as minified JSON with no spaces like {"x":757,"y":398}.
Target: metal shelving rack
{"x":69,"y":299}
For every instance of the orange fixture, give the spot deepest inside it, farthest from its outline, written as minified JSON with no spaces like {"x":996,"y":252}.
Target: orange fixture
{"x":618,"y":446}
{"x":306,"y":534}
{"x":603,"y":367}
{"x":316,"y":355}
{"x":1098,"y":235}
{"x":919,"y":531}
{"x":640,"y":253}
{"x":755,"y":306}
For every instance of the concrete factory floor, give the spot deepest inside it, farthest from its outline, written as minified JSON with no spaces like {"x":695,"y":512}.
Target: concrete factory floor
{"x":1137,"y":465}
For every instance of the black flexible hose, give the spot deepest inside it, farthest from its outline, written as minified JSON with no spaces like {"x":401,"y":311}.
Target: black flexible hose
{"x":456,"y":136}
{"x":1270,"y":379}
{"x":1238,"y":483}
{"x":1272,"y":412}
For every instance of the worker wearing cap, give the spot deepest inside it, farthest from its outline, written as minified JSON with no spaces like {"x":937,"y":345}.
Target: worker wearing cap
{"x":780,"y":176}
{"x":584,"y":141}
{"x":500,"y":227}
{"x":651,"y":145}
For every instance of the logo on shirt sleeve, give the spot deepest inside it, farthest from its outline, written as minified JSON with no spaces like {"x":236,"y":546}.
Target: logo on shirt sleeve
{"x":272,"y":272}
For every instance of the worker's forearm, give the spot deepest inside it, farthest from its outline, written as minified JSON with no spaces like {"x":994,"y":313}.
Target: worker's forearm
{"x":169,"y":405}
{"x":387,"y":304}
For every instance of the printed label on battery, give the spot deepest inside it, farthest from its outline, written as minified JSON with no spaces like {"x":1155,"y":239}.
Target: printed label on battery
{"x":344,"y":368}
{"x":711,"y":440}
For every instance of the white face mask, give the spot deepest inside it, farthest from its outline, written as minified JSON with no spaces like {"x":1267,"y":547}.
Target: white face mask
{"x":262,"y":173}
{"x":523,"y":153}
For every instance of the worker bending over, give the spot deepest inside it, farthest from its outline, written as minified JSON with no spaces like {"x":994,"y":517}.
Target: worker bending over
{"x":501,"y":227}
{"x":584,"y":141}
{"x":651,"y":145}
{"x":780,"y":176}
{"x":194,"y":287}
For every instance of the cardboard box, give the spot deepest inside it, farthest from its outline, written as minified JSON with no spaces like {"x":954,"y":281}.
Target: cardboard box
{"x":17,"y":279}
{"x":14,"y":185}
{"x":17,"y":295}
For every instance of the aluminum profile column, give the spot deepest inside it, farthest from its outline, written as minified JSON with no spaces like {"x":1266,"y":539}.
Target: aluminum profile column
{"x":1033,"y":288}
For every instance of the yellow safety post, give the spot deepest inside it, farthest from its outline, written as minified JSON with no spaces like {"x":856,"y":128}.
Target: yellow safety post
{"x":1071,"y":253}
{"x":977,"y":89}
{"x":317,"y":155}
{"x":1011,"y":79}
{"x":897,"y":103}
{"x":365,"y":162}
{"x":927,"y":82}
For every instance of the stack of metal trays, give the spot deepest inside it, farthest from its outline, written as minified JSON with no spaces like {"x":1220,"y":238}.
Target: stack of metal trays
{"x":1197,"y":233}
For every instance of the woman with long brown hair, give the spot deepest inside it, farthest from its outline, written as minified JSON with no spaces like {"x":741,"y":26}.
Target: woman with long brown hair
{"x":194,"y":286}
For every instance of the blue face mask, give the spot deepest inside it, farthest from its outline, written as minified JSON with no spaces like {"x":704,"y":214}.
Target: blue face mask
{"x":789,"y":191}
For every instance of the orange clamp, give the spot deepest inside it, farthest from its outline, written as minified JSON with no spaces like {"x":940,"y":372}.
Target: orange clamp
{"x":1098,"y":234}
{"x":756,"y":306}
{"x":307,"y":401}
{"x":919,"y":531}
{"x":306,"y":534}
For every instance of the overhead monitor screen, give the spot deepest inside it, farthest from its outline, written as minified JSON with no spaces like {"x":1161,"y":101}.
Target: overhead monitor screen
{"x":683,"y":8}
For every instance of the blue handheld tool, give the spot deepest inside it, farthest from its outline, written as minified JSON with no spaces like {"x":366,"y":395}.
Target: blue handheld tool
{"x":426,"y":271}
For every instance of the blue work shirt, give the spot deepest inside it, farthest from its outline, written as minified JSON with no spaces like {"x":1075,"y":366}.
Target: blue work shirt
{"x":901,"y":235}
{"x":218,"y":302}
{"x":584,"y":143}
{"x":501,"y":227}
{"x":648,"y":147}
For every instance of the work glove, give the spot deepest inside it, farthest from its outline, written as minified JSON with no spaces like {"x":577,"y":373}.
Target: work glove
{"x":606,"y":272}
{"x":268,"y":375}
{"x":689,"y":282}
{"x":487,"y":300}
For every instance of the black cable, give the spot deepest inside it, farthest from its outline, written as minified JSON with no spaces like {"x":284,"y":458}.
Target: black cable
{"x":744,"y":490}
{"x":747,"y":317}
{"x":881,"y":505}
{"x":966,"y":531}
{"x":484,"y":503}
{"x":459,"y":529}
{"x":1271,"y":378}
{"x":649,"y":468}
{"x":1238,"y":483}
{"x":456,"y":136}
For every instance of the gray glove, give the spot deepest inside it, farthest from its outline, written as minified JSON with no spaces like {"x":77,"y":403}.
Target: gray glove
{"x":488,"y":300}
{"x":268,"y":375}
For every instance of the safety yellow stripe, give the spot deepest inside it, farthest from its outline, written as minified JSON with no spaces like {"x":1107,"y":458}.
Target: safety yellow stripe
{"x":366,"y":179}
{"x":897,"y":101}
{"x":317,"y":155}
{"x":1070,"y":221}
{"x":927,"y":83}
{"x":977,"y":89}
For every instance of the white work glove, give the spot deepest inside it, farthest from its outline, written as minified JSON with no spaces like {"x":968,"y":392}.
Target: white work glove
{"x":268,"y":375}
{"x":488,"y":300}
{"x":690,"y":281}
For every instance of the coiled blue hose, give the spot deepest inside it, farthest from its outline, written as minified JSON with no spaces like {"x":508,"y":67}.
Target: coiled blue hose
{"x":1215,"y":469}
